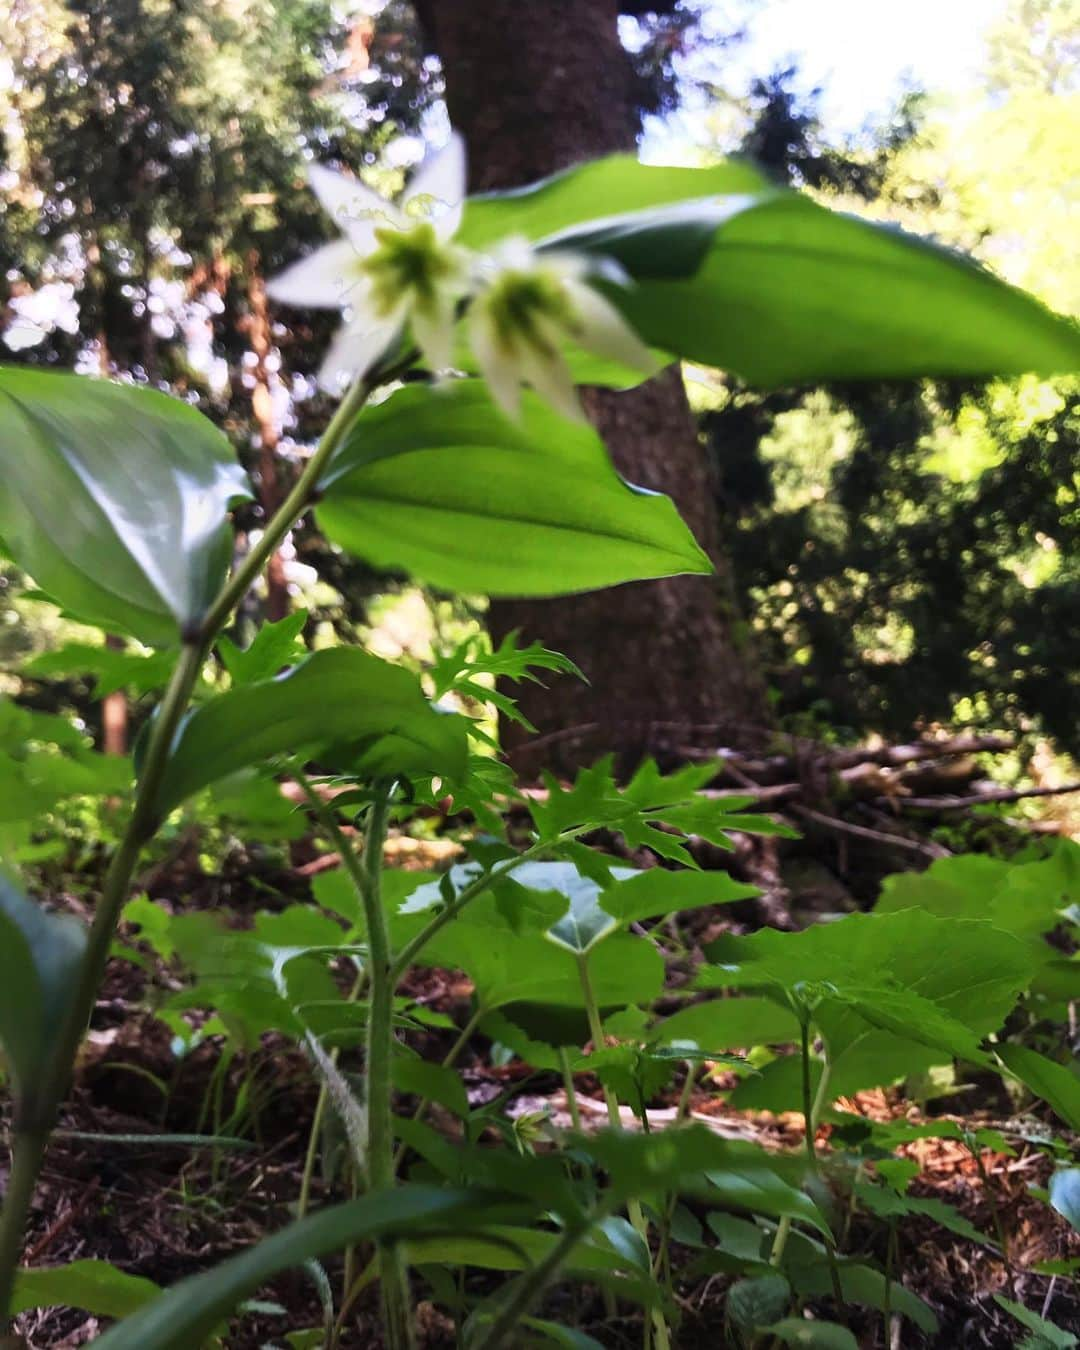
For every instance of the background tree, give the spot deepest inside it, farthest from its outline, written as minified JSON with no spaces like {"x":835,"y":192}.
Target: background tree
{"x":534,"y":89}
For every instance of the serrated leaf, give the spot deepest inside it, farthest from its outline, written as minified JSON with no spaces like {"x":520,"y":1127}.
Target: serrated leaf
{"x":115,"y":499}
{"x":274,"y":646}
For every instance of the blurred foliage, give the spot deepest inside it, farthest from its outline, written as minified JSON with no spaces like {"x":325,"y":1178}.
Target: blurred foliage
{"x":911,"y":553}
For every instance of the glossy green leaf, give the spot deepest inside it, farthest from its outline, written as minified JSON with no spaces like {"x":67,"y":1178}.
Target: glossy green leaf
{"x":1065,"y":1194}
{"x":616,"y":185}
{"x":96,"y":1287}
{"x":790,"y":292}
{"x":440,"y":482}
{"x":39,"y":960}
{"x":188,"y":1312}
{"x":334,"y":697}
{"x":115,"y":499}
{"x":1053,"y":1082}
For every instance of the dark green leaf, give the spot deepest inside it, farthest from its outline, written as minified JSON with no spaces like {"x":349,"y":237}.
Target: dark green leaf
{"x":40,"y":955}
{"x":801,"y":1332}
{"x":1046,"y":1333}
{"x":431,"y":1082}
{"x":757,"y":1302}
{"x":730,"y":1023}
{"x":96,"y":1287}
{"x":115,"y":499}
{"x":808,"y":1269}
{"x":187,"y":1313}
{"x":335,"y":696}
{"x":660,"y":891}
{"x":441,"y":483}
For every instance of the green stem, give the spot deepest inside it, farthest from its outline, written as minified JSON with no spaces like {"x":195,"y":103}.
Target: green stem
{"x":809,"y":1118}
{"x":571,"y":1093}
{"x":37,"y":1113}
{"x":633,"y":1207}
{"x":393,"y":1277}
{"x":530,"y":1286}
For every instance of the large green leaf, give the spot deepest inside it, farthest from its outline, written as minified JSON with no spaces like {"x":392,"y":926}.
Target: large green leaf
{"x":188,"y":1313}
{"x":440,"y":482}
{"x":876,"y":976}
{"x":39,"y":958}
{"x":115,"y":499}
{"x":337,"y":696}
{"x":730,"y":1023}
{"x":616,"y":185}
{"x":792,"y":293}
{"x":659,"y":891}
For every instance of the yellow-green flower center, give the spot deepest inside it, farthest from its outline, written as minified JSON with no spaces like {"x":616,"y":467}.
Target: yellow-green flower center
{"x":408,"y":265}
{"x":530,"y":307}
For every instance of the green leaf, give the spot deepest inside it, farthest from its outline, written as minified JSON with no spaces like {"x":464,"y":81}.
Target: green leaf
{"x":808,"y":1269}
{"x":334,"y":697}
{"x":790,"y":292}
{"x":115,"y":499}
{"x":618,"y":184}
{"x":432,"y":1082}
{"x":40,"y":955}
{"x":886,"y":1204}
{"x":799,"y":1331}
{"x":730,"y":1023}
{"x":660,"y":891}
{"x":189,"y":1312}
{"x":440,"y":482}
{"x":569,"y":1338}
{"x":275,"y":646}
{"x":110,"y":669}
{"x":757,"y":1302}
{"x":96,"y":1287}
{"x":1053,"y":1082}
{"x":1048,"y":1335}
{"x":1065,"y":1194}
{"x":880,"y":967}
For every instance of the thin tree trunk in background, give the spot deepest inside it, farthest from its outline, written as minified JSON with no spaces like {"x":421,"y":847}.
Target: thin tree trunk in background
{"x":114,"y":712}
{"x":536,"y":87}
{"x":262,"y":407}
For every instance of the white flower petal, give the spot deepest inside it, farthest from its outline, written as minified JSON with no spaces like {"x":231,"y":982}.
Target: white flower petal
{"x":441,"y":176}
{"x":448,"y":222}
{"x":605,"y":331}
{"x":353,"y":351}
{"x":356,"y":210}
{"x":433,"y":330}
{"x":322,"y":280}
{"x":551,"y":378}
{"x":498,"y":368}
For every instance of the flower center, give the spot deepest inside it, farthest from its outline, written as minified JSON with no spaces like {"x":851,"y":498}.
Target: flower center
{"x":408,"y":266}
{"x":530,"y":307}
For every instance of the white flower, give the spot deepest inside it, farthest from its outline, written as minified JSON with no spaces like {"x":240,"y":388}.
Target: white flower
{"x":394,"y":265}
{"x":530,"y":307}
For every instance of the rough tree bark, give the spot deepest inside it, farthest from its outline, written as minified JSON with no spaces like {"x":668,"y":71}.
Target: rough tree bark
{"x":534,"y":88}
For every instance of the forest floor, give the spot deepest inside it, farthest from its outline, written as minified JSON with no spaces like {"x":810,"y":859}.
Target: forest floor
{"x":167,"y":1210}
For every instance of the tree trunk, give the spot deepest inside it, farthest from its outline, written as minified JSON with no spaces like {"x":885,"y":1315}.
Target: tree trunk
{"x":534,"y":88}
